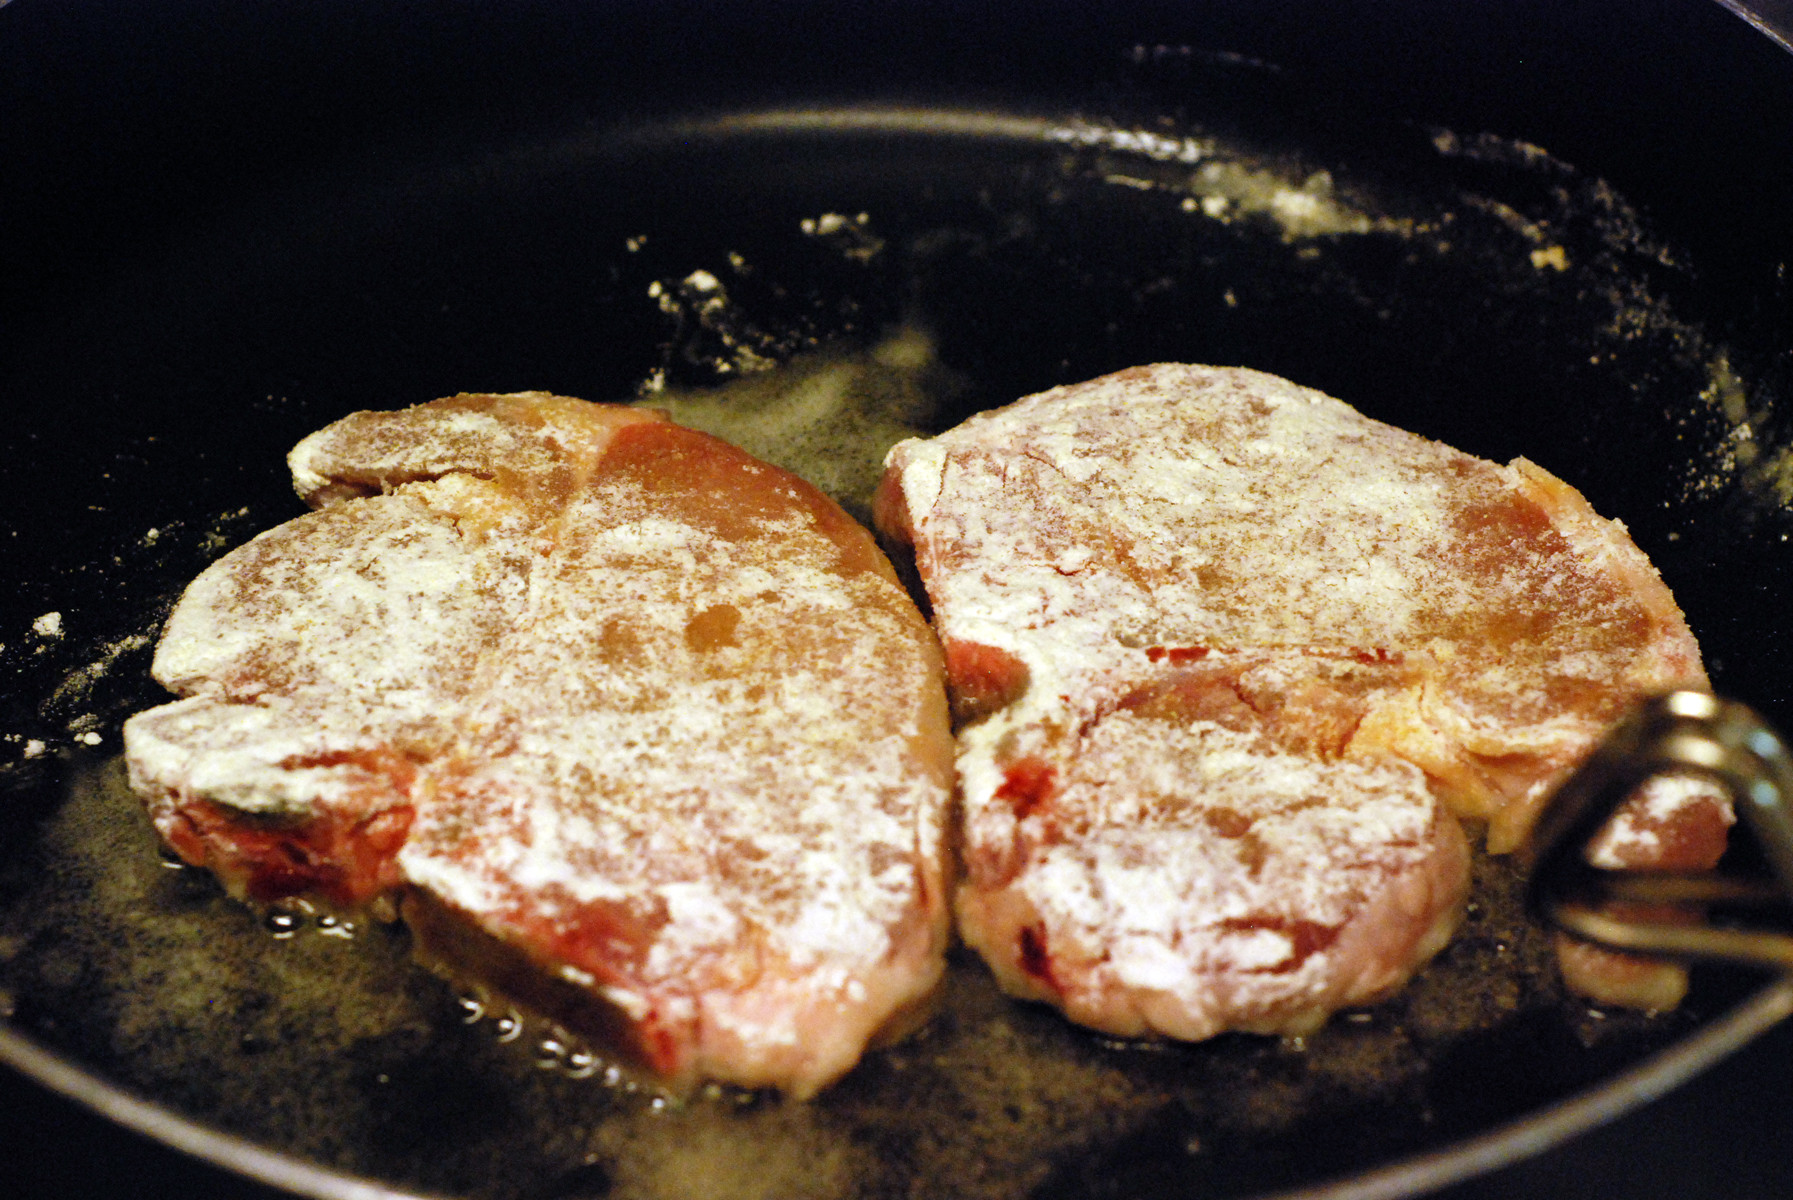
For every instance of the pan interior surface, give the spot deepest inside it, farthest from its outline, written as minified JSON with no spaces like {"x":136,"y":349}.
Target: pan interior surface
{"x":827,"y":279}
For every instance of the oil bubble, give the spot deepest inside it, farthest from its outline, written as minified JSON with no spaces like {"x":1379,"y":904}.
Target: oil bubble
{"x":282,"y":923}
{"x":334,"y":926}
{"x":550,"y":1054}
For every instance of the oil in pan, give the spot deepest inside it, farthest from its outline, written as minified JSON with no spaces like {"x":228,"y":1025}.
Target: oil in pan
{"x":920,"y":267}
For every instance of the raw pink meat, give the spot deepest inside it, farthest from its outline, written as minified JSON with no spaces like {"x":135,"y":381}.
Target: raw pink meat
{"x":642,"y":731}
{"x":1228,"y":659}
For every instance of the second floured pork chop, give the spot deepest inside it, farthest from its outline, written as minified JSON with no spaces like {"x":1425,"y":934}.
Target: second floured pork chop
{"x":643,"y":731}
{"x":1220,"y":648}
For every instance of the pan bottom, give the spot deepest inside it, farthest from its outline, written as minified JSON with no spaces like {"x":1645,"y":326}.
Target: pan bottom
{"x":1478,"y":293}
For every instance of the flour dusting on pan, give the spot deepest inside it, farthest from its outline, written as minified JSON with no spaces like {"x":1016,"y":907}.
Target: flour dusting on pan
{"x":1027,"y":262}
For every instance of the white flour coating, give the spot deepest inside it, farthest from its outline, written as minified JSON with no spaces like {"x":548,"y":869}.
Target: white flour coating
{"x":1304,"y":607}
{"x":675,"y":726}
{"x":300,"y":605}
{"x":671,"y":757}
{"x":1149,"y":873}
{"x":1234,"y":511}
{"x":387,"y":454}
{"x":1103,"y":476}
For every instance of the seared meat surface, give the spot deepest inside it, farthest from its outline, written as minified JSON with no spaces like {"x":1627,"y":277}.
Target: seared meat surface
{"x":640,"y":730}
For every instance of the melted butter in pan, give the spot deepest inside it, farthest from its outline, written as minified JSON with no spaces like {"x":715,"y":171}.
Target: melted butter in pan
{"x":829,"y":416}
{"x":345,"y":1052}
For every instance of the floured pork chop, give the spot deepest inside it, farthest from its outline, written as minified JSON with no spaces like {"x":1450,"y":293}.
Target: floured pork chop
{"x":1226,"y":657}
{"x":643,"y":731}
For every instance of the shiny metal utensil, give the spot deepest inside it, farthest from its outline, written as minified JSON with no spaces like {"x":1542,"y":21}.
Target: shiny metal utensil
{"x":1681,"y":732}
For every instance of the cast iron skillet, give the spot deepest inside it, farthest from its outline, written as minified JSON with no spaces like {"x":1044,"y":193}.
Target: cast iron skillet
{"x":234,"y":225}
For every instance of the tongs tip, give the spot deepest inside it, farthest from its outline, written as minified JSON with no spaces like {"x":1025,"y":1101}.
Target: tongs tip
{"x":1678,"y":733}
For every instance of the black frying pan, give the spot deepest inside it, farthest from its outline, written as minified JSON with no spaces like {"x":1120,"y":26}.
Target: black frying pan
{"x":227,"y":227}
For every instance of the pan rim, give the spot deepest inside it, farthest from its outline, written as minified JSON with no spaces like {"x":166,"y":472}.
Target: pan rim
{"x":1512,"y":1142}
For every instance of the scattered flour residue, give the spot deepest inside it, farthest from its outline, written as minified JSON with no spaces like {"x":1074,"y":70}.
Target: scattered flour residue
{"x":1230,"y":191}
{"x":1727,"y":391}
{"x":775,"y":1152}
{"x":1740,"y":455}
{"x":700,"y":300}
{"x":1776,"y":473}
{"x":852,"y":236}
{"x":1550,"y":257}
{"x":1767,"y":470}
{"x":1221,"y":188}
{"x":76,"y":685}
{"x":1726,"y":420}
{"x":1156,"y":146}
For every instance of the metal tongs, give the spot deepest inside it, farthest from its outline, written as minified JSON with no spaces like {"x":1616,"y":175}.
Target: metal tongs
{"x":1681,"y":733}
